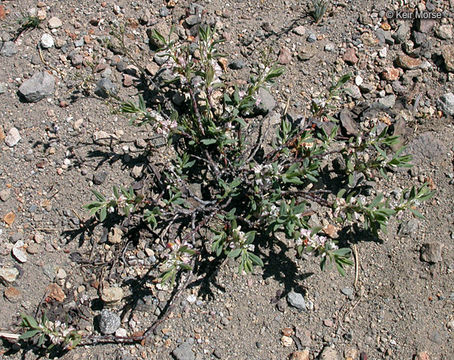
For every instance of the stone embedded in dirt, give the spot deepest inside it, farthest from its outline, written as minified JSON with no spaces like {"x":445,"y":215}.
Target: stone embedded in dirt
{"x":47,"y":41}
{"x":109,"y":322}
{"x":347,"y":291}
{"x":285,"y":56}
{"x":8,"y":49}
{"x":425,"y":26}
{"x":39,"y":86}
{"x":402,"y":32}
{"x":423,"y":355}
{"x":408,"y":228}
{"x":161,"y":57}
{"x":12,"y":294}
{"x":350,"y":56}
{"x":9,"y":218}
{"x":165,"y":30}
{"x":8,"y":275}
{"x":347,"y":122}
{"x":54,"y":23}
{"x":121,"y":332}
{"x":388,"y":101}
{"x":329,"y":47}
{"x":408,"y":63}
{"x":105,"y":87}
{"x":184,"y":352}
{"x":13,"y":137}
{"x":237,"y":64}
{"x":446,"y":103}
{"x":286,"y":341}
{"x":299,"y":355}
{"x":306,"y":52}
{"x":137,"y":171}
{"x":54,"y":291}
{"x":419,"y":38}
{"x":99,"y":177}
{"x":299,"y":30}
{"x":115,"y":236}
{"x":266,"y":102}
{"x":19,"y":254}
{"x":5,"y":194}
{"x":311,"y":38}
{"x":353,"y":91}
{"x":296,"y":300}
{"x":329,"y":353}
{"x":192,"y":20}
{"x":384,"y":37}
{"x":431,"y":252}
{"x":76,"y":58}
{"x":112,"y":295}
{"x":444,"y":32}
{"x":390,"y":74}
{"x":448,"y":56}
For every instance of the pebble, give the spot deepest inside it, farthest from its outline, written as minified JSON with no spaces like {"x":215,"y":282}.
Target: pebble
{"x":388,"y":101}
{"x":329,"y":353}
{"x":390,"y":74}
{"x":446,"y":103}
{"x":300,"y":30}
{"x":347,"y":122}
{"x":163,"y":12}
{"x":444,"y":32}
{"x":12,"y":138}
{"x":448,"y":57}
{"x":347,"y":291}
{"x":8,"y":49}
{"x":33,"y":248}
{"x":47,"y":41}
{"x":267,"y":102}
{"x":311,"y":38}
{"x":286,"y":341}
{"x":300,"y":355}
{"x":402,"y":32}
{"x":105,"y":87}
{"x":296,"y":300}
{"x":285,"y":56}
{"x":237,"y":64}
{"x":431,"y":252}
{"x":137,"y":171}
{"x":9,"y":275}
{"x":184,"y":352}
{"x":330,"y":47}
{"x":54,"y":23}
{"x":350,"y":56}
{"x":115,"y":235}
{"x":408,"y":63}
{"x":12,"y":294}
{"x":112,"y":295}
{"x":39,"y":86}
{"x":109,"y":322}
{"x":191,"y":299}
{"x":121,"y":332}
{"x":423,"y":355}
{"x":19,"y":254}
{"x":99,"y":177}
{"x":5,"y":194}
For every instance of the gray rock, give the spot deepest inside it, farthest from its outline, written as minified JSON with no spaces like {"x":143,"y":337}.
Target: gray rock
{"x":13,"y":137}
{"x":5,"y":194}
{"x":353,"y":91}
{"x":193,"y":20}
{"x":329,"y":353}
{"x":347,"y":122}
{"x":425,"y":26}
{"x":99,"y":178}
{"x":431,"y":252}
{"x":8,"y":275}
{"x":447,"y":53}
{"x":39,"y":86}
{"x":446,"y":103}
{"x":444,"y":32}
{"x":3,"y":88}
{"x":266,"y":102}
{"x":330,"y":47}
{"x":109,"y":322}
{"x":237,"y":64}
{"x":161,"y":58}
{"x":79,"y":42}
{"x":163,"y":12}
{"x":296,"y":300}
{"x":76,"y":58}
{"x":311,"y":38}
{"x":426,"y":147}
{"x":347,"y":291}
{"x":402,"y":32}
{"x":388,"y":101}
{"x":384,"y":37}
{"x":419,"y":38}
{"x":105,"y":87}
{"x":408,"y":228}
{"x":19,"y":254}
{"x":184,"y":352}
{"x":8,"y":49}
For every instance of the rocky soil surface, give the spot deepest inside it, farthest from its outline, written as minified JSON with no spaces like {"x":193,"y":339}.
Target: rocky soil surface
{"x":60,"y":136}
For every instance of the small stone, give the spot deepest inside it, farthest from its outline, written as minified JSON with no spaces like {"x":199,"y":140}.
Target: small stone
{"x":112,"y":295}
{"x":446,"y":103}
{"x":350,"y":56}
{"x":128,"y":80}
{"x":19,"y":254}
{"x":425,"y":26}
{"x":76,"y":58}
{"x":9,"y":218}
{"x":54,"y":291}
{"x":163,"y":12}
{"x":237,"y":64}
{"x":61,"y":274}
{"x":266,"y":101}
{"x":388,"y":101}
{"x":296,"y":300}
{"x":115,"y":236}
{"x":306,"y":53}
{"x":329,"y":47}
{"x":444,"y":32}
{"x":47,"y":41}
{"x":193,"y":20}
{"x":329,"y":353}
{"x":109,"y":322}
{"x":448,"y":56}
{"x":353,"y":91}
{"x":431,"y":252}
{"x":300,"y":30}
{"x":408,"y":228}
{"x":402,"y":32}
{"x":285,"y":56}
{"x":288,"y":331}
{"x":351,"y":353}
{"x":347,"y":291}
{"x":39,"y":86}
{"x":300,"y":355}
{"x":390,"y":74}
{"x":79,"y":42}
{"x":161,"y":58}
{"x":347,"y":122}
{"x":358,"y":80}
{"x":184,"y":352}
{"x":286,"y":341}
{"x":105,"y":87}
{"x":423,"y":355}
{"x":54,"y":23}
{"x":328,"y":323}
{"x":33,"y":249}
{"x":8,"y":49}
{"x":191,"y":299}
{"x":12,"y":294}
{"x":436,"y":337}
{"x":311,"y":38}
{"x":9,"y":275}
{"x":121,"y":332}
{"x":99,"y":177}
{"x":13,"y":137}
{"x":408,"y":63}
{"x":5,"y":194}
{"x":382,"y":53}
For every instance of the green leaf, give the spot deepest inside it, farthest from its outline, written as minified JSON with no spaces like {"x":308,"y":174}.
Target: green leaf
{"x":417,"y":213}
{"x":208,"y":141}
{"x":29,"y":321}
{"x":29,"y":334}
{"x":255,"y":259}
{"x":234,"y":253}
{"x":103,"y":214}
{"x":98,"y":195}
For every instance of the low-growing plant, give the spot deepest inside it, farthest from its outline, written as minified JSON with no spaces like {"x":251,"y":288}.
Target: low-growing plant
{"x":229,"y":193}
{"x":319,"y":9}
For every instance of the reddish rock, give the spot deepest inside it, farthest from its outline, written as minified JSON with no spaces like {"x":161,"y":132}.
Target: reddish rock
{"x":350,"y":56}
{"x":299,"y":355}
{"x":423,"y":355}
{"x":12,"y":294}
{"x":448,"y":57}
{"x":284,"y":56}
{"x":408,"y":63}
{"x":390,"y":74}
